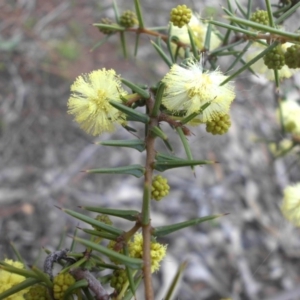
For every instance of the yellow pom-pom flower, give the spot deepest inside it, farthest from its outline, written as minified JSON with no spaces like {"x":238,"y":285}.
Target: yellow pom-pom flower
{"x":291,"y":116}
{"x":259,"y":66}
{"x":61,"y":283}
{"x":157,"y":251}
{"x":160,"y":187}
{"x":89,"y":101}
{"x":190,"y":88}
{"x":199,"y":30}
{"x":8,"y":280}
{"x":180,"y":15}
{"x":291,"y":204}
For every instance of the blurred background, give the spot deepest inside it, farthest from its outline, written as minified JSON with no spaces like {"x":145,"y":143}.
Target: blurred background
{"x":251,"y":253}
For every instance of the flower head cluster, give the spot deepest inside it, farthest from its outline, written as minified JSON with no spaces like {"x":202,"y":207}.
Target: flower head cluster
{"x":291,"y":116}
{"x":89,"y":101}
{"x":160,"y":187}
{"x":157,"y":252}
{"x":128,"y":19}
{"x":180,"y":15}
{"x":291,"y":203}
{"x":119,"y":279}
{"x":191,"y":88}
{"x":37,"y":292}
{"x":259,"y":66}
{"x":199,"y":30}
{"x":8,"y":280}
{"x":61,"y":283}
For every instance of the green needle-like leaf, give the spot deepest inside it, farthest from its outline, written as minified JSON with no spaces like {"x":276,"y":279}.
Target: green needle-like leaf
{"x":42,"y":276}
{"x":19,"y":287}
{"x":74,"y":287}
{"x":101,"y":42}
{"x":195,"y":114}
{"x":165,"y":230}
{"x":98,"y":233}
{"x":185,"y":144}
{"x":169,"y":42}
{"x":116,"y":11}
{"x":93,"y":222}
{"x":158,"y":99}
{"x":133,"y":263}
{"x":175,"y":281}
{"x":270,"y":14}
{"x":249,"y":9}
{"x":233,"y":28}
{"x":249,"y":63}
{"x":143,"y":93}
{"x":239,"y":57}
{"x":161,"y":53}
{"x":130,"y":273}
{"x":158,"y":132}
{"x":134,"y":170}
{"x":241,"y":9}
{"x":193,"y":45}
{"x":287,"y":13}
{"x":135,"y":115}
{"x":17,"y":253}
{"x":123,"y":44}
{"x":208,"y":37}
{"x":9,"y":268}
{"x":76,"y":265}
{"x":136,"y":46}
{"x":134,"y":144}
{"x":264,"y":28}
{"x":168,"y":164}
{"x":131,"y":215}
{"x":114,"y":27}
{"x":229,"y":6}
{"x":163,"y":157}
{"x":139,"y":15}
{"x":129,"y":294}
{"x":73,"y":241}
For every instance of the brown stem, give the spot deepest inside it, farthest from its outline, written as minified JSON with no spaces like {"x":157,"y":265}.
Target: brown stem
{"x":94,"y":284}
{"x":165,"y":118}
{"x":146,"y":222}
{"x":164,"y":37}
{"x":149,"y":294}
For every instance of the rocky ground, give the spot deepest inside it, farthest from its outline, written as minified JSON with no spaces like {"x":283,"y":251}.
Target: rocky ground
{"x":251,"y":253}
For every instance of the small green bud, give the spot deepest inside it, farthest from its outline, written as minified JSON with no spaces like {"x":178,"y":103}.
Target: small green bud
{"x":180,"y":15}
{"x":160,"y":187}
{"x":107,"y":31}
{"x":274,"y":59}
{"x":219,"y":125}
{"x":104,"y":219}
{"x":261,"y":17}
{"x":118,"y":279}
{"x":37,"y":292}
{"x":292,"y":57}
{"x":128,"y":19}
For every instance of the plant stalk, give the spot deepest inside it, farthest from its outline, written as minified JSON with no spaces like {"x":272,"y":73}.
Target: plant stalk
{"x":146,"y":221}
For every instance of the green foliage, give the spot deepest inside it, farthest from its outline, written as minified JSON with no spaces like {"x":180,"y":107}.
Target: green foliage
{"x":194,"y":92}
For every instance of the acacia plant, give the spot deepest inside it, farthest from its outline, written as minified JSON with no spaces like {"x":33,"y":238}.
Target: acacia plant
{"x":194,"y":92}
